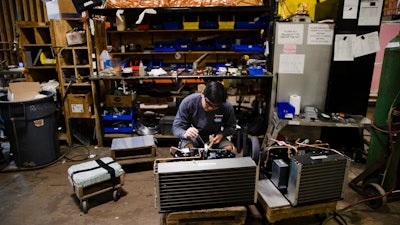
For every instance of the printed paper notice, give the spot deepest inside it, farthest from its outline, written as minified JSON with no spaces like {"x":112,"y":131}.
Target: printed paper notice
{"x":319,"y":34}
{"x":370,"y":12}
{"x":343,"y":49}
{"x":366,"y":44}
{"x":350,"y":9}
{"x":77,"y":108}
{"x":291,"y":63}
{"x":290,"y":33}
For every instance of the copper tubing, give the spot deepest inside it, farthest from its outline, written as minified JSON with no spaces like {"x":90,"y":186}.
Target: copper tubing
{"x":172,"y":158}
{"x":320,"y":147}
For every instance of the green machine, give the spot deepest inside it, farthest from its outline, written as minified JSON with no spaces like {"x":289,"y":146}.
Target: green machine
{"x":380,"y":181}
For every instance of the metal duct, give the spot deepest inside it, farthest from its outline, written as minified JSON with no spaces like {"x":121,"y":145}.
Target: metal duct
{"x":187,"y":185}
{"x":316,"y":178}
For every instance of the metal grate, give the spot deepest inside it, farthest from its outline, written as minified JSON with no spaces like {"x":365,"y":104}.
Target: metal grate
{"x":206,"y":184}
{"x":319,"y":180}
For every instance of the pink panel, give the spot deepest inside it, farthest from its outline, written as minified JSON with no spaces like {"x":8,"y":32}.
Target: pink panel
{"x":387,"y":33}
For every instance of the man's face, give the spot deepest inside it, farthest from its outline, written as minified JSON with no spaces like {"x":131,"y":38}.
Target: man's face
{"x":207,"y":104}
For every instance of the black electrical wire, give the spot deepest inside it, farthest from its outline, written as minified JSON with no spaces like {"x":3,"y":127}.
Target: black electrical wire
{"x":337,"y":217}
{"x":85,"y":156}
{"x":20,"y":169}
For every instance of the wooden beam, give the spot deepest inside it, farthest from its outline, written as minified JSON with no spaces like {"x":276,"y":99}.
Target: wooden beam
{"x":32,"y":11}
{"x":39,"y":10}
{"x":19,"y":6}
{"x":8,"y":20}
{"x":25,"y":15}
{"x":3,"y":31}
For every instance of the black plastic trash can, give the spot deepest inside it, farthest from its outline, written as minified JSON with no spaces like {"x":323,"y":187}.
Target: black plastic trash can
{"x":31,"y":129}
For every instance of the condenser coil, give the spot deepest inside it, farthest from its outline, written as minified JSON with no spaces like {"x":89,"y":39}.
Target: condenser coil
{"x":200,"y":184}
{"x":316,"y":178}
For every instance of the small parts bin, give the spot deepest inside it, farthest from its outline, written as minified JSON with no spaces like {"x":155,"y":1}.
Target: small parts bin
{"x":95,"y":177}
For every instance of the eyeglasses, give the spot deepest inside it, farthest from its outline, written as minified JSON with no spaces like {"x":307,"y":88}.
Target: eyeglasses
{"x":210,"y":104}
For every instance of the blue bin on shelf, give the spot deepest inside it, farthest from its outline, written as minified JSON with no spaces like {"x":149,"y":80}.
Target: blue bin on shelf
{"x":256,"y":71}
{"x":261,"y":22}
{"x":119,"y":123}
{"x":183,"y":44}
{"x":285,"y":110}
{"x":174,"y":25}
{"x":223,"y":44}
{"x":164,"y":47}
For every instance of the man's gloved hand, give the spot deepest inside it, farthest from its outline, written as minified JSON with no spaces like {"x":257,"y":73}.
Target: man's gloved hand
{"x":191,"y":133}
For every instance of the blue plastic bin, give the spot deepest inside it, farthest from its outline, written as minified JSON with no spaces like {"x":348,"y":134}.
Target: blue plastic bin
{"x":164,"y":47}
{"x":285,"y":110}
{"x":183,"y":44}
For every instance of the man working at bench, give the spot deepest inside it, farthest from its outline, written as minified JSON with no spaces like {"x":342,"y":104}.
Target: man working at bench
{"x":206,"y":118}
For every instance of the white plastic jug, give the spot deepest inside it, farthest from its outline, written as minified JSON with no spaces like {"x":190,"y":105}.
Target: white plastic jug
{"x":105,"y":60}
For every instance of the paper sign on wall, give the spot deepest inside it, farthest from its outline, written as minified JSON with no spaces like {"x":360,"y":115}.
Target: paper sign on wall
{"x":366,"y":44}
{"x":319,"y":34}
{"x":350,"y":9}
{"x":370,"y":12}
{"x":343,"y":50}
{"x":291,"y":63}
{"x":290,"y":34}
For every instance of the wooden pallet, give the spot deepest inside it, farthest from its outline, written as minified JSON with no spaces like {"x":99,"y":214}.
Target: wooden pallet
{"x":276,"y":207}
{"x":229,"y":215}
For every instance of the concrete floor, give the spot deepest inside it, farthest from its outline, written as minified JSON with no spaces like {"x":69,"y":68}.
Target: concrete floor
{"x":44,"y":196}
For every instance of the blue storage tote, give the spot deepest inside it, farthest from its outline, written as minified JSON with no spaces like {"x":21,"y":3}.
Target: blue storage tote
{"x":119,"y":123}
{"x":249,"y":45}
{"x":208,"y":22}
{"x":163,"y":46}
{"x":261,"y":22}
{"x":172,"y":25}
{"x":183,"y":44}
{"x":224,"y":44}
{"x":285,"y":110}
{"x":207,"y":45}
{"x":256,"y":71}
{"x":119,"y":127}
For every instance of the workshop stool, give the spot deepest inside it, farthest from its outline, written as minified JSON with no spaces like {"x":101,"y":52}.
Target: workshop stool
{"x":95,"y":177}
{"x":235,"y":215}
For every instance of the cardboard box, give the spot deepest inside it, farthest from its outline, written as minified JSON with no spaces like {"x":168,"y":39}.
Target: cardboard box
{"x":23,"y":91}
{"x":76,"y":37}
{"x":124,"y":101}
{"x":80,"y":105}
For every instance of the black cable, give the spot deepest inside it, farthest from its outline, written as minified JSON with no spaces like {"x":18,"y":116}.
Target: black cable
{"x":78,"y":160}
{"x":339,"y":218}
{"x":21,"y":169}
